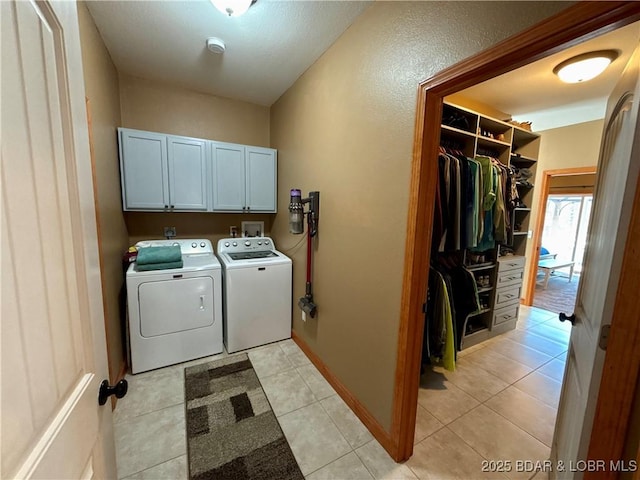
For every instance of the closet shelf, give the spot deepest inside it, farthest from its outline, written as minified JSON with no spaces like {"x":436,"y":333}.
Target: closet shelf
{"x":522,"y":159}
{"x":520,"y":233}
{"x":480,"y":312}
{"x":522,"y":209}
{"x":457,"y":131}
{"x":480,"y":266}
{"x":485,"y":289}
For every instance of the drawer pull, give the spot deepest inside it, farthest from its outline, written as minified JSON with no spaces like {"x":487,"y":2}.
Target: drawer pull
{"x":513,"y":264}
{"x":506,"y":317}
{"x":509,"y":295}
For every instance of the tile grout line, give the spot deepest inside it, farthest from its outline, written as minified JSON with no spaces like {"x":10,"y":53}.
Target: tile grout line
{"x":153,"y":466}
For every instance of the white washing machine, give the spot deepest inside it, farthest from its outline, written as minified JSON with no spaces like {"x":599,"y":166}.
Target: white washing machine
{"x":257,"y":292}
{"x":175,"y":315}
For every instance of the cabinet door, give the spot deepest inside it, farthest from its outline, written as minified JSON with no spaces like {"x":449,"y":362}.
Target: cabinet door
{"x":228,"y":177}
{"x":187,"y":173}
{"x":261,"y":179}
{"x":143,"y":163}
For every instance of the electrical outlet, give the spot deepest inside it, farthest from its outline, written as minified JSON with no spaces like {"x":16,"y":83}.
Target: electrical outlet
{"x":304,"y":316}
{"x":169,"y":232}
{"x":233,"y":231}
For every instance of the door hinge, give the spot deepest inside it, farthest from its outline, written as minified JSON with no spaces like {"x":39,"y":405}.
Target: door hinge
{"x":604,"y":336}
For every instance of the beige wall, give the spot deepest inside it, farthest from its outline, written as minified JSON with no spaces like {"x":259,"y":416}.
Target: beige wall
{"x":565,"y":147}
{"x":346,"y":128}
{"x":159,"y":107}
{"x":101,"y":86}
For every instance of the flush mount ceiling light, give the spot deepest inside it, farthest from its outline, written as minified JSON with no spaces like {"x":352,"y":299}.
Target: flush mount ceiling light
{"x":585,"y":67}
{"x":233,"y":8}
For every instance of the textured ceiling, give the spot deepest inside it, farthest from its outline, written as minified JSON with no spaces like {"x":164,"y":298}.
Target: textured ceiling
{"x":270,"y":46}
{"x":534,"y":93}
{"x":267,"y":48}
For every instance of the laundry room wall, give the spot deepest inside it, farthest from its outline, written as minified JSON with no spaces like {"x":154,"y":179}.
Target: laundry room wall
{"x":572,"y":146}
{"x":101,"y":88}
{"x":160,"y":107}
{"x":346,"y":129}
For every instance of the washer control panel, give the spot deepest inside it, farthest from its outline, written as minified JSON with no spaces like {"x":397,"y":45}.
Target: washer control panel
{"x":189,"y":246}
{"x":246,"y":244}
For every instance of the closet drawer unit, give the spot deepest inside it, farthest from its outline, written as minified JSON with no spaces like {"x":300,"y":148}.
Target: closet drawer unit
{"x":510,"y":277}
{"x":510,"y":263}
{"x":507,"y":296}
{"x":505,"y":314}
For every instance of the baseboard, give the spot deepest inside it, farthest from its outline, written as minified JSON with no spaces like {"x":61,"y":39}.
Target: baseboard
{"x":379,"y":433}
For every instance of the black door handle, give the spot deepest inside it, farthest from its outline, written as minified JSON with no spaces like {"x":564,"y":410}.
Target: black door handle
{"x":106,"y":390}
{"x":572,"y":318}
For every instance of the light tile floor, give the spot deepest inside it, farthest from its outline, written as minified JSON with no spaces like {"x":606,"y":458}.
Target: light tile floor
{"x":500,"y":404}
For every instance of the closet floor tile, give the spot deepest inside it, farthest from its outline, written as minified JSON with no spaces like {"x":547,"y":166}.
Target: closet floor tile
{"x":553,"y":369}
{"x":444,"y":456}
{"x":474,"y":380}
{"x":446,"y":402}
{"x":349,"y":467}
{"x":548,"y":330}
{"x":532,"y":339}
{"x":530,"y":414}
{"x":496,"y":438}
{"x":497,"y":364}
{"x":520,"y":353}
{"x":541,"y":387}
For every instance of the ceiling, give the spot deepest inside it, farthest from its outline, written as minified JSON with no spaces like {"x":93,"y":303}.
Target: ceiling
{"x":270,"y":46}
{"x":534,"y":93}
{"x":267,"y":48}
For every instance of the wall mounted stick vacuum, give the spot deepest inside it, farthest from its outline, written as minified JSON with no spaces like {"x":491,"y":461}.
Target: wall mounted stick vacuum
{"x":296,"y":226}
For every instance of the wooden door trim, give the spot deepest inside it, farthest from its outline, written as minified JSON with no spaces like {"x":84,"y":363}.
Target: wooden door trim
{"x":532,"y":261}
{"x":570,"y":27}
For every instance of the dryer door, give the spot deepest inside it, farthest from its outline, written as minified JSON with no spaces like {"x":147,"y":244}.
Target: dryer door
{"x":176,"y":305}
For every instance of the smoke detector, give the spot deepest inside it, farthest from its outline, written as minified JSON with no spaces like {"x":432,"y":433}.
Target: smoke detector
{"x":215,"y":45}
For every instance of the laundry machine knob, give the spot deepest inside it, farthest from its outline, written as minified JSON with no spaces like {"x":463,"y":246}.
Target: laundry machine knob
{"x":266,"y":242}
{"x":247,"y":243}
{"x":226,"y":244}
{"x":194,"y":245}
{"x":235,"y":244}
{"x":202,"y":244}
{"x":259,"y":243}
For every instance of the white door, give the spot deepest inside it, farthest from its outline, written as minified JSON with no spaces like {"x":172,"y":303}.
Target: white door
{"x":228,"y":177}
{"x":261,"y":179}
{"x":53,"y":341}
{"x":187,"y":173}
{"x":143,"y":162}
{"x":615,"y":188}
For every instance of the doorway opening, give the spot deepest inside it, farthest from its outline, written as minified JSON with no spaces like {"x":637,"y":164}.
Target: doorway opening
{"x":565,"y":29}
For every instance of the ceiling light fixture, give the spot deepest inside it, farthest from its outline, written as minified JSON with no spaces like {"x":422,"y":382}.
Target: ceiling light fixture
{"x":233,"y":8}
{"x":585,"y":67}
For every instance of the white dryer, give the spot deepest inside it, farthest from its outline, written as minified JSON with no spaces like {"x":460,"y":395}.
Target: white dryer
{"x":257,"y":292}
{"x":175,"y":315}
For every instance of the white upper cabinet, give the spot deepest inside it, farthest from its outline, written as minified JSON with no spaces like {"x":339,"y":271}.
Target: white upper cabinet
{"x":227,"y":177}
{"x":162,"y":172}
{"x":244,"y":178}
{"x":261,"y":179}
{"x":187,"y":173}
{"x":170,"y":173}
{"x":144,"y":170}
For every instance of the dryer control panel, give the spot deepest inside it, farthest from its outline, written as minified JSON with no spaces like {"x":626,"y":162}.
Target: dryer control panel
{"x":188,"y":246}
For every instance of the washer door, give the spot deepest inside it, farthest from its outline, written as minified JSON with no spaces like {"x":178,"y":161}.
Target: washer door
{"x":176,"y":305}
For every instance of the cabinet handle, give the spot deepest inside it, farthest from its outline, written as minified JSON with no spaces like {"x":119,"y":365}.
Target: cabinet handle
{"x":173,"y":206}
{"x":248,"y":209}
{"x":166,"y":206}
{"x":509,"y":296}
